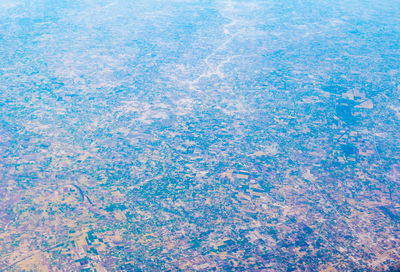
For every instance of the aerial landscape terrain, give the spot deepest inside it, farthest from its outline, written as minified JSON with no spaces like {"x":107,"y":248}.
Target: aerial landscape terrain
{"x":199,"y":135}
